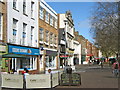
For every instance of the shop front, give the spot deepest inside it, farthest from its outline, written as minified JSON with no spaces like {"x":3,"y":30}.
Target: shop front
{"x":51,"y":59}
{"x":21,"y":57}
{"x":63,"y":59}
{"x":76,"y":59}
{"x":3,"y":61}
{"x":71,"y":57}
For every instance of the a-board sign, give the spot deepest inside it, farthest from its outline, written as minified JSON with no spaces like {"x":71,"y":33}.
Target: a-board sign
{"x":70,"y":79}
{"x":76,"y":79}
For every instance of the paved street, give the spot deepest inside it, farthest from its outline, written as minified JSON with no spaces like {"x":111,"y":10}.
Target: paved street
{"x":94,"y":77}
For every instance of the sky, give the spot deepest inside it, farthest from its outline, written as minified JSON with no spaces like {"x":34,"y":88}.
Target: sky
{"x":81,"y":13}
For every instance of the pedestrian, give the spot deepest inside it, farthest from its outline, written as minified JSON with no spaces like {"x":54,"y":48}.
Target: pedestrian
{"x":26,"y":72}
{"x":116,"y":68}
{"x":101,"y":63}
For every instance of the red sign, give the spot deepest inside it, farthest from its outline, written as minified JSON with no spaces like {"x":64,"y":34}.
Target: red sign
{"x":64,"y":56}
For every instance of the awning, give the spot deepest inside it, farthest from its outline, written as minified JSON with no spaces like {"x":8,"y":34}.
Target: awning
{"x":13,"y":56}
{"x":89,"y":54}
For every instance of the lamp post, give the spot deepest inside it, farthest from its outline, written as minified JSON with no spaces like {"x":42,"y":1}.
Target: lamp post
{"x":65,"y":29}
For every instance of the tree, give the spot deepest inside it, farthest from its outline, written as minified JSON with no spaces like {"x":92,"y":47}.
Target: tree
{"x":104,"y":28}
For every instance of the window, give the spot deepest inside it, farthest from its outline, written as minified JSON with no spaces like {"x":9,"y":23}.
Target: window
{"x":51,"y":38}
{"x":15,"y":4}
{"x":14,"y":30}
{"x":31,"y":38}
{"x":47,"y":17}
{"x":24,"y":6}
{"x":24,"y":33}
{"x":47,"y":36}
{"x":55,"y":38}
{"x":41,"y":13}
{"x":51,"y":20}
{"x":32,"y":9}
{"x":1,"y":29}
{"x":41,"y":34}
{"x":55,"y":23}
{"x":1,"y":0}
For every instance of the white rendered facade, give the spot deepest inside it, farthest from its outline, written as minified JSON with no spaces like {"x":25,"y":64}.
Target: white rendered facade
{"x":22,"y":18}
{"x":22,"y":30}
{"x":77,"y":53}
{"x":66,"y":23}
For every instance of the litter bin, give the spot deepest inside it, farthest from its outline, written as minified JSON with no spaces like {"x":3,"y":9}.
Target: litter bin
{"x":69,"y":70}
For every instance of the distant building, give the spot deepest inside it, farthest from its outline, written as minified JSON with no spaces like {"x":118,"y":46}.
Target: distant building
{"x":83,"y":50}
{"x":77,"y":47}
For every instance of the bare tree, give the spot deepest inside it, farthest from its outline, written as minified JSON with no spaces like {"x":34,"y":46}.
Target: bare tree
{"x":104,"y":28}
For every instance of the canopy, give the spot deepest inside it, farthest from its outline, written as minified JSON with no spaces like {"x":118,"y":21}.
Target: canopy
{"x":13,"y":56}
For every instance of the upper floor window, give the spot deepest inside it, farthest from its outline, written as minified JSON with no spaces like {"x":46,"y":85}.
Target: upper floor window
{"x":1,"y":29}
{"x":24,"y":33}
{"x":1,"y":0}
{"x":47,"y":17}
{"x":24,"y":6}
{"x":15,"y":4}
{"x":31,"y":36}
{"x":55,"y":25}
{"x":32,"y":9}
{"x":51,"y":20}
{"x":51,"y":38}
{"x":14,"y":30}
{"x":55,"y":38}
{"x":41,"y":34}
{"x":47,"y":36}
{"x":41,"y":13}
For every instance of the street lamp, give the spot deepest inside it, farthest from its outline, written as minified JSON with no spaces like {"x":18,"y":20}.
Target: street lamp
{"x":65,"y":29}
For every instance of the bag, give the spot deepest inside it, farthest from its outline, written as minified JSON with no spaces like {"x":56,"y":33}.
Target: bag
{"x":116,"y":66}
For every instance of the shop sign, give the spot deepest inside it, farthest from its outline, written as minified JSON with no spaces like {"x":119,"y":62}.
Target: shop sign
{"x":2,"y":48}
{"x":23,"y":50}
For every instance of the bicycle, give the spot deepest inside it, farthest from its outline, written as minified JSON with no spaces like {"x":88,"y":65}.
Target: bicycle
{"x":116,"y":72}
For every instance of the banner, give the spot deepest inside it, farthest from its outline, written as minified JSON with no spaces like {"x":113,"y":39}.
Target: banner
{"x":12,"y":81}
{"x":55,"y":80}
{"x":38,"y":81}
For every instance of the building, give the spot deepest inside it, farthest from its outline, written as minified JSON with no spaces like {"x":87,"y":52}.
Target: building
{"x":22,"y":34}
{"x":66,"y":23}
{"x":62,"y":45}
{"x":77,"y":47}
{"x":3,"y":35}
{"x":89,"y":55}
{"x":48,"y":37}
{"x":83,"y":50}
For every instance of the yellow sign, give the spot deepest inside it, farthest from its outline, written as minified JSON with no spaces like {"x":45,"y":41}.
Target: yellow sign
{"x":2,"y":48}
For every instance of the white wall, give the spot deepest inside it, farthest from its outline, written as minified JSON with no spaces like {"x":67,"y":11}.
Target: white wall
{"x":77,"y":47}
{"x":48,"y":8}
{"x":22,"y":19}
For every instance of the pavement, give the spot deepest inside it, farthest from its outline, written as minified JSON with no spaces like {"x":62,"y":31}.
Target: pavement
{"x":93,"y":76}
